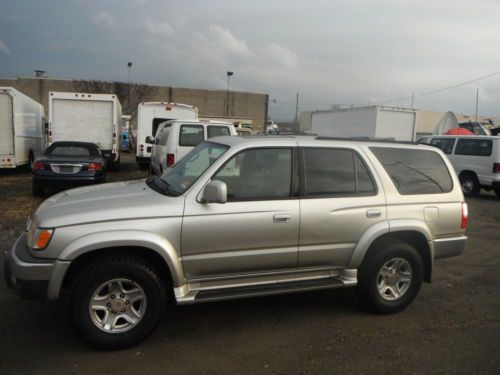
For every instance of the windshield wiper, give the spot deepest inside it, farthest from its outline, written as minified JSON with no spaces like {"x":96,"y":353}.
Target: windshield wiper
{"x":166,"y":186}
{"x":163,"y":188}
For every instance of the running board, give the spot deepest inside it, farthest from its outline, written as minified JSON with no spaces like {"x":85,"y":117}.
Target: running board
{"x":263,"y":290}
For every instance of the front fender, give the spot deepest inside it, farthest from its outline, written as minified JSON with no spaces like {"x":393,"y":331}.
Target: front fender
{"x":127,"y":238}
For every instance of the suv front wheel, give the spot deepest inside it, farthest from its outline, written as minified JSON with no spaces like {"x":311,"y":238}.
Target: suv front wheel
{"x":116,"y":302}
{"x":390,"y":277}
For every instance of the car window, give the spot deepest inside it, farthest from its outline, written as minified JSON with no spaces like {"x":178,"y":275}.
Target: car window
{"x":415,"y":171}
{"x":445,"y":144}
{"x":258,"y":174}
{"x":71,"y":150}
{"x":164,"y":136}
{"x":334,"y":172}
{"x":216,"y":131}
{"x":191,"y":135}
{"x":474,"y":147}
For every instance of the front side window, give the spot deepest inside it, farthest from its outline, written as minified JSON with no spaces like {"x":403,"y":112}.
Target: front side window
{"x":445,"y":144}
{"x":474,"y":147}
{"x":191,"y":135}
{"x":333,"y":172}
{"x":415,"y":171}
{"x":258,"y":174}
{"x":183,"y":174}
{"x":217,"y":131}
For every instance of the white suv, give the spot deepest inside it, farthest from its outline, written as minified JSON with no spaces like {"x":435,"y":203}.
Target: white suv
{"x":476,"y":160}
{"x":174,"y":139}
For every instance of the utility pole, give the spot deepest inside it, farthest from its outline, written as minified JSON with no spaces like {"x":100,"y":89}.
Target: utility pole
{"x":297,"y":109}
{"x":477,"y":101}
{"x":229,"y":74}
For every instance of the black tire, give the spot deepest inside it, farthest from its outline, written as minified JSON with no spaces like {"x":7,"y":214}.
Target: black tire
{"x":31,"y":160}
{"x":103,"y":270}
{"x":151,"y":171}
{"x":37,"y":189}
{"x":368,"y":276}
{"x":115,"y":165}
{"x":497,"y":191}
{"x":470,"y":184}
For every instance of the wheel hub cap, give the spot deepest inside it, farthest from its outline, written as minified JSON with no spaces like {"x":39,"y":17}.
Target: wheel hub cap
{"x":394,"y":279}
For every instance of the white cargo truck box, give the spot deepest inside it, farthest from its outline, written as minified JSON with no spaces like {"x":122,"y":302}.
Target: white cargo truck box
{"x":21,"y":128}
{"x":152,"y":114}
{"x":372,"y":122}
{"x":95,"y":118}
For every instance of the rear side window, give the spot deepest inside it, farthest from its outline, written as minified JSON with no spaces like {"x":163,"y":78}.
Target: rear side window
{"x":445,"y":144}
{"x":334,"y":172}
{"x":191,"y":135}
{"x":474,"y":147}
{"x":216,"y":131}
{"x":164,"y":136}
{"x":415,"y":171}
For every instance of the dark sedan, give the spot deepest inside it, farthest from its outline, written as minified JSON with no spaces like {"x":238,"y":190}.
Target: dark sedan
{"x":68,"y":164}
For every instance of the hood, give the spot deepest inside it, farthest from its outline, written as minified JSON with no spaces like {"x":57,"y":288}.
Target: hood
{"x":126,"y":200}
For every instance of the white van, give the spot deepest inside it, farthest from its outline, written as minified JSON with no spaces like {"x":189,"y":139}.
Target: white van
{"x":21,"y":129}
{"x":150,"y":115}
{"x":476,"y":160}
{"x":174,"y":139}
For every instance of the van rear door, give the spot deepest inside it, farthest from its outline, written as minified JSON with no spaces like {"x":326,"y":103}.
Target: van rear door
{"x":6,"y":125}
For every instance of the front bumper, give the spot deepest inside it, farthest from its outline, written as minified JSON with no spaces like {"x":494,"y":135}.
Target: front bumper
{"x":449,"y":247}
{"x":31,"y":277}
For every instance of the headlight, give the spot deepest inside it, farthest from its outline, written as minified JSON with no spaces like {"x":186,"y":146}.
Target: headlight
{"x":41,"y":238}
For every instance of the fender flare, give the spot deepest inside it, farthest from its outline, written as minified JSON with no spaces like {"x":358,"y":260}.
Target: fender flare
{"x":127,"y":238}
{"x":384,"y":227}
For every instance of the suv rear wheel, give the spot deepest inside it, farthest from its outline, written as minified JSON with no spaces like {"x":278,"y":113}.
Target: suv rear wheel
{"x":390,"y":277}
{"x":116,"y":302}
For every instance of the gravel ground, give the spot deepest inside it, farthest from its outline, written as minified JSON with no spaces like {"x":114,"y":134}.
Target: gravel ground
{"x":453,"y":327}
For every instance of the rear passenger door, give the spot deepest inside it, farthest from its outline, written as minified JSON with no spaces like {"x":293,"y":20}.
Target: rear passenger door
{"x":340,"y":200}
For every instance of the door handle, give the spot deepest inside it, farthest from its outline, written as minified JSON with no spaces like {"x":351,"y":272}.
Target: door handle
{"x":282,"y":218}
{"x":373,"y":213}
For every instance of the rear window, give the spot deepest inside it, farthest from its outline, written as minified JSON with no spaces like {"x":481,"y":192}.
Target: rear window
{"x":191,"y":135}
{"x":216,"y":131}
{"x":445,"y":144}
{"x":71,"y":150}
{"x":415,"y":171}
{"x":474,"y":147}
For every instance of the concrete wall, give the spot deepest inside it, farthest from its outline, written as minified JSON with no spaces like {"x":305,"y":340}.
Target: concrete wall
{"x":210,"y":103}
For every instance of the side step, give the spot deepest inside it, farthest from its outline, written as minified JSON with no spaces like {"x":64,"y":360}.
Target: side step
{"x":268,"y":289}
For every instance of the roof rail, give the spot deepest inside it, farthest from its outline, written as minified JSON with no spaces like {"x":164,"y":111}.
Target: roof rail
{"x":365,"y":139}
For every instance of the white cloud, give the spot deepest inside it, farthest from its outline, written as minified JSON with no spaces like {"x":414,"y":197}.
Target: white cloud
{"x":4,"y":48}
{"x":227,"y":42}
{"x":159,"y":28}
{"x":105,"y":18}
{"x":281,"y":55}
{"x":58,"y":45}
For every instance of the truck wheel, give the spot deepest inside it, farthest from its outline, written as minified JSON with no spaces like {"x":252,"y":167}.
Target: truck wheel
{"x":115,"y":165}
{"x":470,"y":184}
{"x":497,"y":191}
{"x":31,"y":160}
{"x":390,"y":277}
{"x":116,"y":302}
{"x":37,"y":189}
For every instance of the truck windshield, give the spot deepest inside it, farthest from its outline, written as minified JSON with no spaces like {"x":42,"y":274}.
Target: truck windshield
{"x":183,"y":174}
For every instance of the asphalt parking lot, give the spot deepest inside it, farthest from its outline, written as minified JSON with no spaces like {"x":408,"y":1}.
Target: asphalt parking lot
{"x":453,"y":327}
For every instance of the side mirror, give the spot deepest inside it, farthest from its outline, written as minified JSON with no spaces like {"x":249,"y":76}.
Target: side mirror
{"x":150,"y":140}
{"x":215,"y":192}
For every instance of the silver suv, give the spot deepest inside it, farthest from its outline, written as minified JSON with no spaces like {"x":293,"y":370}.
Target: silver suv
{"x":242,"y":217}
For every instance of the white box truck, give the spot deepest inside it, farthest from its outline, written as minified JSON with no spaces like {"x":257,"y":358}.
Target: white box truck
{"x":84,"y":117}
{"x":150,"y":115}
{"x":21,"y":129}
{"x":373,"y":122}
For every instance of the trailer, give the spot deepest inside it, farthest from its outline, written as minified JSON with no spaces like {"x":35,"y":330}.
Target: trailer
{"x":150,"y":115}
{"x":21,"y":129}
{"x":371,"y":122}
{"x":85,"y":117}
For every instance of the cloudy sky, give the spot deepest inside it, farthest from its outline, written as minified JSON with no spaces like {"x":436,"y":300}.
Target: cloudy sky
{"x":333,"y":52}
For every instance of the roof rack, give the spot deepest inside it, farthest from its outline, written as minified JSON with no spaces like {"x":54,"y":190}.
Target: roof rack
{"x":365,"y":139}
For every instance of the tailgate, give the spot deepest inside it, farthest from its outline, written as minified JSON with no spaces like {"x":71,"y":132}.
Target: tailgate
{"x":84,"y":121}
{"x":6,"y":125}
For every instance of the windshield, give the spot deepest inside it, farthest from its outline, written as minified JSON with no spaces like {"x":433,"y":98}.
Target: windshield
{"x":183,"y":174}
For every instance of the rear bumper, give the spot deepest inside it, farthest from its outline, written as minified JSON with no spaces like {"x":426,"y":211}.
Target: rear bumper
{"x":449,"y":247}
{"x":66,"y":181}
{"x":31,"y":277}
{"x":142,"y":159}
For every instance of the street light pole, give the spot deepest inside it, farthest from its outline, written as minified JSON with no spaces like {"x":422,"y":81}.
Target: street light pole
{"x":129,"y":64}
{"x":229,"y":74}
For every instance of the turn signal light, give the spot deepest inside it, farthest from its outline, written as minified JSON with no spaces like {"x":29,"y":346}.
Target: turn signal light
{"x":42,"y":238}
{"x":38,"y":165}
{"x":465,"y":216}
{"x":496,"y":167}
{"x":95,"y":166}
{"x":170,"y":160}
